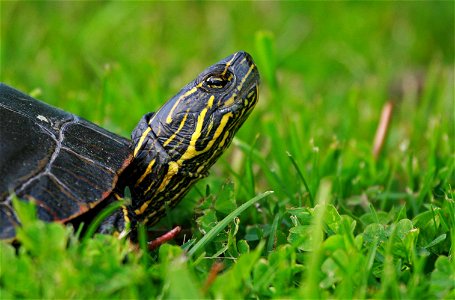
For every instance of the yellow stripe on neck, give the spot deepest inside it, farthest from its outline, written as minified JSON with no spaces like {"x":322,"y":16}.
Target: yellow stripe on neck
{"x":141,"y":141}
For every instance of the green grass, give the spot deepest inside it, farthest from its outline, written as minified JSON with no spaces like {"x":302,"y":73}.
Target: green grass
{"x":341,"y":222}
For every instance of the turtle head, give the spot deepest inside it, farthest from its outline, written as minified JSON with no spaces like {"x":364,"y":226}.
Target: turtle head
{"x":196,"y":125}
{"x":177,"y":145}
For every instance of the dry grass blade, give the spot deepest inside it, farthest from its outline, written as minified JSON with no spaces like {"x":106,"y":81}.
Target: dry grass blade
{"x":383,"y":127}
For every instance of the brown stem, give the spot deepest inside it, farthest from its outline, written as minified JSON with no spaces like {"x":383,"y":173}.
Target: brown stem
{"x":383,"y":126}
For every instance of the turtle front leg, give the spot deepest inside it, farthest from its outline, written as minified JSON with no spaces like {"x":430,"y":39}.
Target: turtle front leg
{"x":120,"y":223}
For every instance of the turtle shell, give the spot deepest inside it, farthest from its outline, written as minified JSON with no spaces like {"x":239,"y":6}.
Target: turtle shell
{"x":64,"y":163}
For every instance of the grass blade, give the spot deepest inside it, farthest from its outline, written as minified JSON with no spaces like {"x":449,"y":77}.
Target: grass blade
{"x":294,"y":163}
{"x":223,"y":223}
{"x":100,"y":218}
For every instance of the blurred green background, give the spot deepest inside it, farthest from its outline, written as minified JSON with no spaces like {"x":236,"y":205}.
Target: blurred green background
{"x":148,"y":50}
{"x":335,"y":66}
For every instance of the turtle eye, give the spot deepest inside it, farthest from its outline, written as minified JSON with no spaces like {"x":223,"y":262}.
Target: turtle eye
{"x":217,"y":82}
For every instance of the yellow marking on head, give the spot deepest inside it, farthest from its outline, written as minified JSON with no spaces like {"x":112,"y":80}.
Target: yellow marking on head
{"x":147,"y":172}
{"x":169,"y":116}
{"x":210,"y":102}
{"x":228,"y":64}
{"x":191,"y":150}
{"x":141,"y":141}
{"x":229,"y":101}
{"x":219,"y":130}
{"x":209,"y":128}
{"x":177,"y":131}
{"x":240,"y":86}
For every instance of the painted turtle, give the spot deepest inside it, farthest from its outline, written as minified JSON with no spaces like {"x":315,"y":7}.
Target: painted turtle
{"x":71,"y":167}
